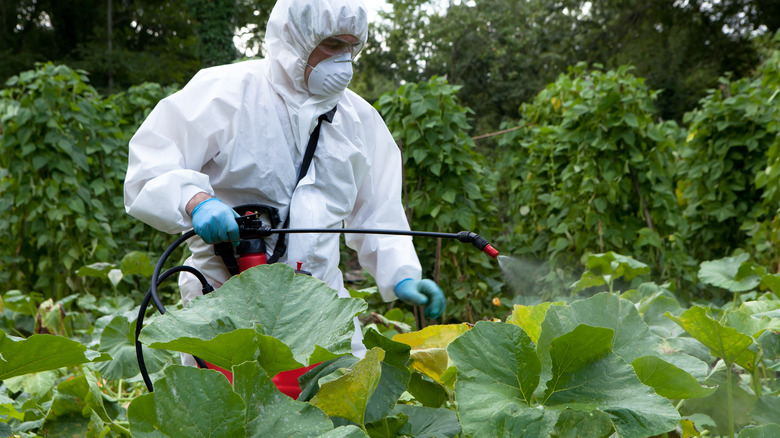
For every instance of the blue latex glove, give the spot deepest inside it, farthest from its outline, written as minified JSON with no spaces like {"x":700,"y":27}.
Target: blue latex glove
{"x":424,"y":293}
{"x":215,"y":222}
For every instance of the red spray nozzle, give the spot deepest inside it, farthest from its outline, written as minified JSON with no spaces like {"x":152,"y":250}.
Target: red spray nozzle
{"x":478,"y":241}
{"x":489,"y":250}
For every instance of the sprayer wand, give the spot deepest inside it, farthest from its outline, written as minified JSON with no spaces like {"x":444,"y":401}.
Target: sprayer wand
{"x":463,"y":236}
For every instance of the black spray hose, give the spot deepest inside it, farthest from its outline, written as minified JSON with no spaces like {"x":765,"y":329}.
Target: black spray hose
{"x":142,"y":311}
{"x":158,"y":267}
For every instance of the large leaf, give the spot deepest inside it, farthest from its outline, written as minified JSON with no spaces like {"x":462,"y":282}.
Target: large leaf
{"x":41,"y":353}
{"x":498,"y":370}
{"x":587,"y":376}
{"x":310,"y":382}
{"x":271,"y":413}
{"x":35,"y":384}
{"x":771,"y":430}
{"x":632,"y":337}
{"x":724,"y":342}
{"x":300,"y":311}
{"x":607,"y":267}
{"x":347,"y":396}
{"x":393,"y":382}
{"x":118,"y":340}
{"x":80,"y":394}
{"x":668,"y":380}
{"x":188,"y":402}
{"x":394,"y":379}
{"x":429,"y":348}
{"x":724,"y":273}
{"x":427,"y":392}
{"x":428,"y":423}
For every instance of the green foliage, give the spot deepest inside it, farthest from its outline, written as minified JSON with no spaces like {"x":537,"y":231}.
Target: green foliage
{"x":56,"y":137}
{"x":592,"y":171}
{"x":447,"y":188}
{"x":63,"y":161}
{"x":591,"y":367}
{"x":729,"y":194}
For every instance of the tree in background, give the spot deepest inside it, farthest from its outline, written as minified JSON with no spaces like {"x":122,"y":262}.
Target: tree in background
{"x":503,"y":52}
{"x":125,"y":42}
{"x":681,"y":48}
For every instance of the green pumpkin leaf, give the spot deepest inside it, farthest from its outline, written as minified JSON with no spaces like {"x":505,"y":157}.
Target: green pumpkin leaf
{"x":394,"y":379}
{"x":80,"y":395}
{"x":137,"y":262}
{"x":430,"y":394}
{"x":583,"y":424}
{"x":771,"y":430}
{"x":188,"y":402}
{"x":724,"y":342}
{"x":716,"y":405}
{"x":300,"y":311}
{"x":41,"y":353}
{"x":616,"y":266}
{"x":274,"y":356}
{"x":587,"y":376}
{"x":428,"y":422}
{"x":723,"y":273}
{"x":271,"y":413}
{"x":668,"y":380}
{"x":37,"y":384}
{"x":347,"y":397}
{"x":497,"y":372}
{"x":387,"y":427}
{"x":118,"y":340}
{"x":632,"y":338}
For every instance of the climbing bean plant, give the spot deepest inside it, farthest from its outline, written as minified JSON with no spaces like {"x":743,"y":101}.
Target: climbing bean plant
{"x":592,"y":170}
{"x":448,"y":187}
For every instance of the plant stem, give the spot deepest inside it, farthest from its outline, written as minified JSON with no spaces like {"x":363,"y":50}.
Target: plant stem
{"x":121,"y":429}
{"x":730,"y":400}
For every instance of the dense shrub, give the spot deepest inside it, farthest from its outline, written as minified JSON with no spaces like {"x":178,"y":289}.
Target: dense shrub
{"x":63,"y":155}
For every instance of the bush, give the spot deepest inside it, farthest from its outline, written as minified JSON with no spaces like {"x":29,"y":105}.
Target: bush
{"x":63,"y":155}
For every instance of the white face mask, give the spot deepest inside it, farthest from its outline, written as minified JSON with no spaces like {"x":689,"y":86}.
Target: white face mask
{"x":331,"y":76}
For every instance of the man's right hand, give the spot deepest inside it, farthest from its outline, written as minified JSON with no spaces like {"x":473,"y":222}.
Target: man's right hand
{"x":215,"y":222}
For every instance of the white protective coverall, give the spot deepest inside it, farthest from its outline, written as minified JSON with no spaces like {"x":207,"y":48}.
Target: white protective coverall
{"x":238,"y":132}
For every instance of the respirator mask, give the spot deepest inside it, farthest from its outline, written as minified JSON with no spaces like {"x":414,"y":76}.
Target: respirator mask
{"x":331,"y":76}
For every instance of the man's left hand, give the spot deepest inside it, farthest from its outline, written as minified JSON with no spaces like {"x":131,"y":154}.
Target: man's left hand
{"x":423,"y":293}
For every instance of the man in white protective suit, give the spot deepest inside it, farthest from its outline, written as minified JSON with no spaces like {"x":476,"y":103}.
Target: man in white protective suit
{"x":236,"y":134}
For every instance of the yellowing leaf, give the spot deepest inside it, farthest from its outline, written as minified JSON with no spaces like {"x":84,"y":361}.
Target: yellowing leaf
{"x":529,"y":318}
{"x":429,"y":348}
{"x":347,"y":396}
